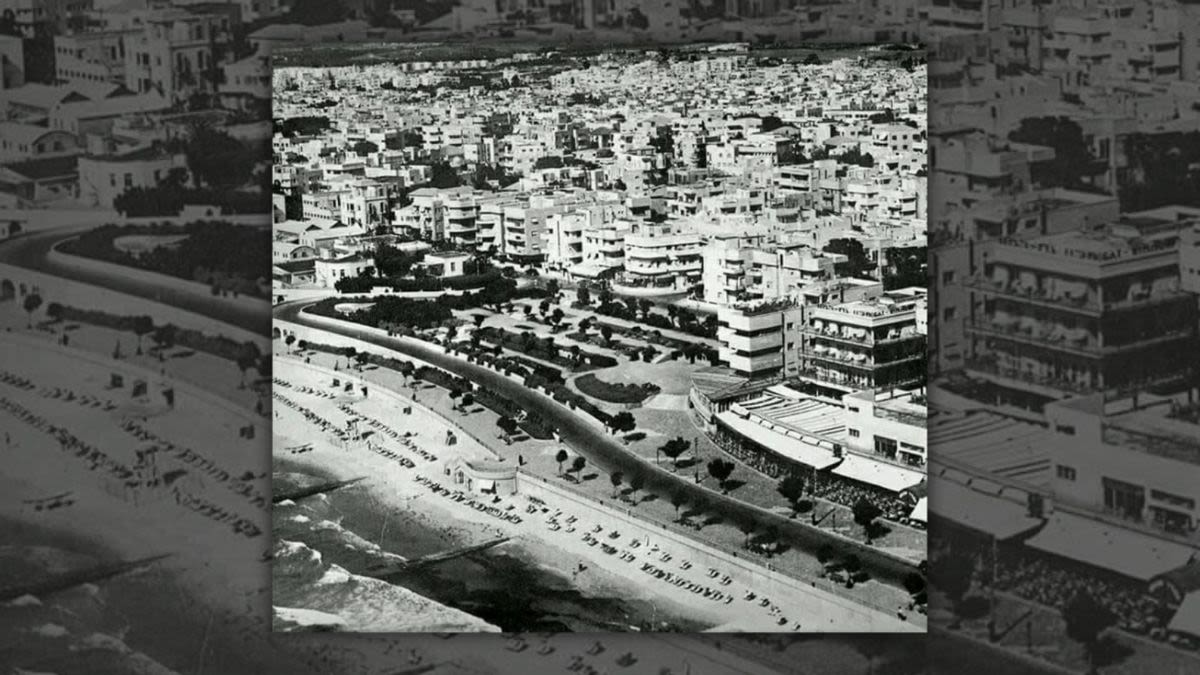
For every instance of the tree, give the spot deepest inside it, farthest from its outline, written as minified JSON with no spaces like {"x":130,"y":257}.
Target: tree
{"x":623,"y":421}
{"x":217,"y":159}
{"x":556,"y":316}
{"x":54,"y":310}
{"x":858,"y":263}
{"x":792,"y":489}
{"x":244,"y":363}
{"x":508,"y":426}
{"x":678,"y":499}
{"x":142,"y":326}
{"x":637,"y":483}
{"x":578,"y":463}
{"x":865,"y":513}
{"x":31,"y":304}
{"x":825,"y":553}
{"x":1073,"y":160}
{"x":583,"y":296}
{"x":1086,"y":620}
{"x":164,"y":335}
{"x":907,"y":266}
{"x":747,"y":527}
{"x":675,"y":448}
{"x":560,"y":457}
{"x":289,"y":340}
{"x":606,"y":332}
{"x":468,"y":400}
{"x":812,"y":59}
{"x":364,"y":148}
{"x":914,"y":583}
{"x":615,"y":478}
{"x":720,"y":469}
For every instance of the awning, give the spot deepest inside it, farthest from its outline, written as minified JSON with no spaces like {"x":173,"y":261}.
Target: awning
{"x":880,"y":474}
{"x":1187,"y":617}
{"x":991,"y":515}
{"x":486,"y":484}
{"x":780,"y":444}
{"x":1124,"y":551}
{"x":588,"y":270}
{"x":919,"y":512}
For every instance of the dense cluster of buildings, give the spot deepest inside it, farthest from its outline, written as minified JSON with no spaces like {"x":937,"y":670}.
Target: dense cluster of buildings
{"x":770,"y":191}
{"x":1063,"y":299}
{"x":94,"y":103}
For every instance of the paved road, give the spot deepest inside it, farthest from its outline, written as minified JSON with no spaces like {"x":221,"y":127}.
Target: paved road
{"x":602,"y":450}
{"x":31,"y":252}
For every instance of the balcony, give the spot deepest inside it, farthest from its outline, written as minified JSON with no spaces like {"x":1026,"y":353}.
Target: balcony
{"x":1038,"y":337}
{"x":1058,"y":385}
{"x":753,"y":364}
{"x":1038,"y":297}
{"x":751,"y":343}
{"x":842,"y":361}
{"x":847,"y":338}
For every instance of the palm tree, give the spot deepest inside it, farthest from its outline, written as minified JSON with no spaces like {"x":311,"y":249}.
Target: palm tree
{"x":560,"y":457}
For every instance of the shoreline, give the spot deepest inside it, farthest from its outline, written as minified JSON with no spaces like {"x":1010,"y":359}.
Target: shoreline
{"x":555,"y":550}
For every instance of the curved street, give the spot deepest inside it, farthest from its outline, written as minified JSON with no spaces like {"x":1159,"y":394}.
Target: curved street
{"x":31,"y":251}
{"x":601,"y":450}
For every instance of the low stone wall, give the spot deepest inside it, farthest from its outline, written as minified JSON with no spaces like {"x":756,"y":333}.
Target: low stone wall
{"x":74,"y":293}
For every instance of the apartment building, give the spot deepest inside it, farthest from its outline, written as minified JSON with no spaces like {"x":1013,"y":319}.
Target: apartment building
{"x":658,"y":260}
{"x":761,"y":341}
{"x":1091,"y":310}
{"x":866,"y":344}
{"x":172,"y":53}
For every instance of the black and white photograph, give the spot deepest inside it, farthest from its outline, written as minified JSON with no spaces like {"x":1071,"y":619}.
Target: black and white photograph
{"x":600,"y":340}
{"x":1065,"y":453}
{"x":151,"y":200}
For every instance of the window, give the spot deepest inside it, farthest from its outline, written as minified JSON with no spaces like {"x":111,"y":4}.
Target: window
{"x":1065,"y":472}
{"x":1174,"y":500}
{"x":853,"y":433}
{"x":1124,"y":499}
{"x":948,"y":313}
{"x":886,"y":447}
{"x":1065,"y":429}
{"x":128,"y":180}
{"x":948,"y":277}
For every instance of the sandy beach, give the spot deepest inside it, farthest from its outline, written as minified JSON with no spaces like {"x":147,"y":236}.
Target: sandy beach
{"x":555,"y":535}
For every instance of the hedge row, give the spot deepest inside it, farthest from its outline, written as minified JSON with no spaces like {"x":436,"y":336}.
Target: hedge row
{"x":217,"y":345}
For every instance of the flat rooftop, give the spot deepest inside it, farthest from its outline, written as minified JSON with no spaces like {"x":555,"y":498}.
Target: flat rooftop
{"x":995,"y":444}
{"x":1168,"y":429}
